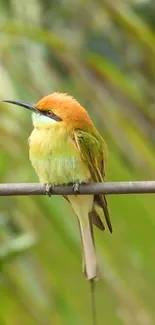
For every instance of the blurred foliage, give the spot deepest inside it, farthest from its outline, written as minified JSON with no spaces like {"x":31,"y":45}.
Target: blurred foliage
{"x":102,"y":53}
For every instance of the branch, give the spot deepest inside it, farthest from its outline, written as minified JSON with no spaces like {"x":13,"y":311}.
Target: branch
{"x":93,"y":188}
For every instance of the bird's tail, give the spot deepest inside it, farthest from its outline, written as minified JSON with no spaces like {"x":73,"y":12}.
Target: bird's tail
{"x":90,"y":266}
{"x":82,"y":206}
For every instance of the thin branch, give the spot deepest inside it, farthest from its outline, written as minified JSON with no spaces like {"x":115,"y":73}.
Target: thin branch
{"x":93,"y":188}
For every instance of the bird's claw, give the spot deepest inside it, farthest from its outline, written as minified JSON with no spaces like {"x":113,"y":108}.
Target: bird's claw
{"x":48,"y":189}
{"x":76,"y":188}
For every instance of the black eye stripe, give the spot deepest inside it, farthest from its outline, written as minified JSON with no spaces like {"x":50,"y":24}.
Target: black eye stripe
{"x":53,"y":116}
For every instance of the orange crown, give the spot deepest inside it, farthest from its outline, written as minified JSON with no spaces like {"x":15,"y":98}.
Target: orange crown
{"x":67,"y":108}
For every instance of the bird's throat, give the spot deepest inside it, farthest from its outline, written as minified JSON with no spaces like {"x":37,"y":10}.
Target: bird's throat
{"x":42,"y":121}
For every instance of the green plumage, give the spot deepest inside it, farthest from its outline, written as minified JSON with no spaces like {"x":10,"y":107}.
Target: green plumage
{"x":93,"y":152}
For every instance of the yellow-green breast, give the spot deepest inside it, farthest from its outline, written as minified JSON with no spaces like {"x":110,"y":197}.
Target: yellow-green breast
{"x":55,"y":157}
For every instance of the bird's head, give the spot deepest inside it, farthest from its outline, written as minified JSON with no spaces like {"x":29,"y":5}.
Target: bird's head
{"x":57,"y":108}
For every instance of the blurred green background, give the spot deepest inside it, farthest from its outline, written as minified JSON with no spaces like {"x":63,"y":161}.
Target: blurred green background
{"x":103,"y":53}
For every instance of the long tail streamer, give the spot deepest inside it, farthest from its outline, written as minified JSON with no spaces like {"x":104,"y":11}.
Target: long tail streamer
{"x":93,"y":305}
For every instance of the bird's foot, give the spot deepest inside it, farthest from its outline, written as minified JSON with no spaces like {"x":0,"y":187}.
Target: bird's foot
{"x":48,"y":189}
{"x":75,"y":187}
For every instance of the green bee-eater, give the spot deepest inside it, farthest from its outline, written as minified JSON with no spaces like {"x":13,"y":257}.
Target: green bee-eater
{"x":65,"y":147}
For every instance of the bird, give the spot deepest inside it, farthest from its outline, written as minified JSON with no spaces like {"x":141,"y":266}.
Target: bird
{"x":66,"y":148}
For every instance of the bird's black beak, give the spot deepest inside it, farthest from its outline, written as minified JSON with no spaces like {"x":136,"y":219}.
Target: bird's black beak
{"x":21,"y":103}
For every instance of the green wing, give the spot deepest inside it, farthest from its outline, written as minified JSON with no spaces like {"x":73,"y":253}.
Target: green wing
{"x":93,"y":151}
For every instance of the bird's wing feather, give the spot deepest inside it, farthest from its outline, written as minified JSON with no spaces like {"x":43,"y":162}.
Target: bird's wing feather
{"x":93,"y":151}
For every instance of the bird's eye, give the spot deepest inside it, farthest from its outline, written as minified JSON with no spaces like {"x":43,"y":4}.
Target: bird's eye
{"x":52,"y":115}
{"x":49,"y":113}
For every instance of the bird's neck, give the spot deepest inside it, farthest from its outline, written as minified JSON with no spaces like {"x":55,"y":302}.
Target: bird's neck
{"x":52,"y":132}
{"x":46,"y":140}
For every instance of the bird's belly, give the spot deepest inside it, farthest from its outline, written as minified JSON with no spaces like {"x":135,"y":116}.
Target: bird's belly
{"x":60,"y":170}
